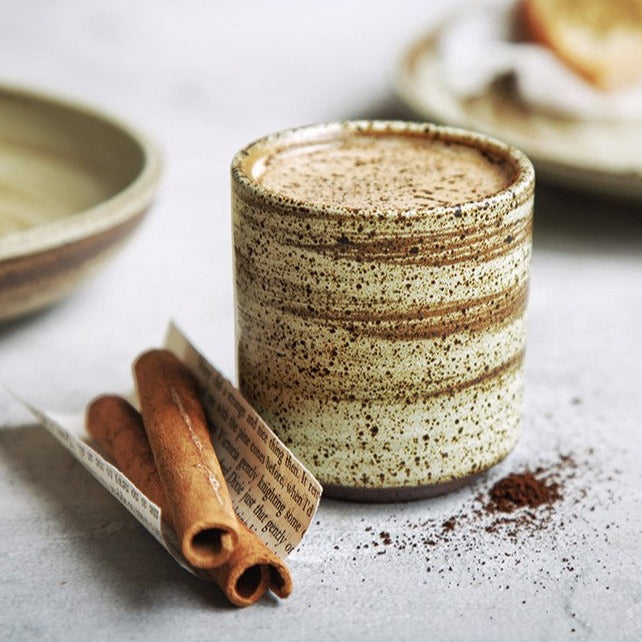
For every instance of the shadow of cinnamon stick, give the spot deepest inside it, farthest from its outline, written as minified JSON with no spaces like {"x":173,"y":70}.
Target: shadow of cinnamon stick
{"x":126,"y":563}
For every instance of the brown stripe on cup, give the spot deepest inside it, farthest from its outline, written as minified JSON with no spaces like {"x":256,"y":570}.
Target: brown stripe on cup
{"x":381,"y":286}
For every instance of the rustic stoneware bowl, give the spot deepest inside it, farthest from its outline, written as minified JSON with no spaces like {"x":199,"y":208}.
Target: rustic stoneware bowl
{"x":380,"y":313}
{"x":73,"y":185}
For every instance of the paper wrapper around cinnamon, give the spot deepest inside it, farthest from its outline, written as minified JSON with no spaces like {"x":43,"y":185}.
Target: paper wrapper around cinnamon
{"x":250,"y":569}
{"x":198,"y":500}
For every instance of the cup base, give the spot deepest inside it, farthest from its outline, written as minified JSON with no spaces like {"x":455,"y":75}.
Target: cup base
{"x":391,"y":494}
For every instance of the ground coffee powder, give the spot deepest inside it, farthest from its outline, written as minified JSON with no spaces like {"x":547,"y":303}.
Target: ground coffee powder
{"x":518,"y":490}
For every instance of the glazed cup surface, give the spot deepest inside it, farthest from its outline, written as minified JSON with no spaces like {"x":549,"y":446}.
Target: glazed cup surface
{"x":385,"y":347}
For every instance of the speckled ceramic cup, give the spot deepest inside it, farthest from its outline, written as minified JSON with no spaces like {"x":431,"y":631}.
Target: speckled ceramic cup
{"x":381,"y":283}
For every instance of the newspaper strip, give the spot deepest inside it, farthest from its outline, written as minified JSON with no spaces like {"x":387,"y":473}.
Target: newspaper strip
{"x":274,"y":494}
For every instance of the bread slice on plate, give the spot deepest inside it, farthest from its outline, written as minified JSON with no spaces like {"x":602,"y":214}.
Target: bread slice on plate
{"x":600,"y":39}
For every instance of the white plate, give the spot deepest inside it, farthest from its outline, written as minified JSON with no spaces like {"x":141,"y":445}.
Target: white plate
{"x":601,"y":156}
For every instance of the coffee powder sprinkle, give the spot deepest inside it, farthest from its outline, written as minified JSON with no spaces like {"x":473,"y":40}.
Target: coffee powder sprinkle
{"x":518,"y":490}
{"x":516,"y":508}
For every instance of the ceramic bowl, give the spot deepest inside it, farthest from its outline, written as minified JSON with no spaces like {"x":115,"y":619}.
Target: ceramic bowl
{"x":74,"y":184}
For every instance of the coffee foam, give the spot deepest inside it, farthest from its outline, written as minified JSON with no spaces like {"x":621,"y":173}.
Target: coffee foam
{"x":395,"y":172}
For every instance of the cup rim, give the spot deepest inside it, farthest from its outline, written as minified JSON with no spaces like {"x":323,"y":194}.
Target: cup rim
{"x":517,"y":192}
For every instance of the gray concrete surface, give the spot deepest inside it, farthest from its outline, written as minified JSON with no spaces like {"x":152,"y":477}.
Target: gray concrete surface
{"x":203,"y":79}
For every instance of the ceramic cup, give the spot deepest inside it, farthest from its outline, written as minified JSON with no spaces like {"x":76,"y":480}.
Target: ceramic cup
{"x":381,"y":277}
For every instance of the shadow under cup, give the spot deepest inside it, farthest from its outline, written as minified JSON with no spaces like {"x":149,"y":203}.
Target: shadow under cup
{"x":381,"y":273}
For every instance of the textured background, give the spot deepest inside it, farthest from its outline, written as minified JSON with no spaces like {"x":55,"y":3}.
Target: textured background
{"x":203,"y":79}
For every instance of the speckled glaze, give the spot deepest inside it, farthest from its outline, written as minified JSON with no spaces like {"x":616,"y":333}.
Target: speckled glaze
{"x":382,"y":342}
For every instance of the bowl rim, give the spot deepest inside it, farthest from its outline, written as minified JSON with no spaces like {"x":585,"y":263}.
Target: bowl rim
{"x":107,"y":214}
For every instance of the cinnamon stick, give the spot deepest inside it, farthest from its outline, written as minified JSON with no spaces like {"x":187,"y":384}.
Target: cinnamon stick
{"x":197,"y":497}
{"x":236,"y":577}
{"x":117,"y":428}
{"x":251,"y":568}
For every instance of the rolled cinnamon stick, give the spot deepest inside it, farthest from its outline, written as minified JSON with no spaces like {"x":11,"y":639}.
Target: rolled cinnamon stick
{"x":237,"y":576}
{"x":116,"y":426}
{"x":197,"y":496}
{"x":251,"y":568}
